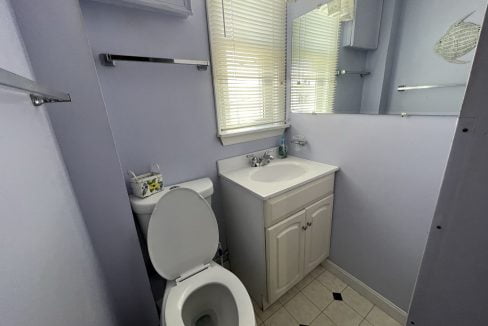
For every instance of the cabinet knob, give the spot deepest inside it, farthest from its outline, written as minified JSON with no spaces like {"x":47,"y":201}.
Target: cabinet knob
{"x":304,"y":228}
{"x":309,"y":223}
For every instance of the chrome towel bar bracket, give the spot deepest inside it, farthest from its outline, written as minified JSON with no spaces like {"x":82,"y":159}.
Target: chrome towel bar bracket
{"x":38,"y":93}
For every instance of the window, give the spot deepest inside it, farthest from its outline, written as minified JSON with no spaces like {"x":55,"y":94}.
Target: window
{"x":248,"y":45}
{"x":315,"y":52}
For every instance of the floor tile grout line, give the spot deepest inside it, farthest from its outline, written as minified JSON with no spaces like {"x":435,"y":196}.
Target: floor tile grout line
{"x":291,"y":314}
{"x":362,"y":320}
{"x":370,"y":310}
{"x":327,"y":286}
{"x":345,"y":288}
{"x":303,"y":293}
{"x":277,"y":302}
{"x":358,"y":312}
{"x":325,"y":316}
{"x":321,"y":311}
{"x":282,"y":306}
{"x":316,"y":305}
{"x":347,"y":285}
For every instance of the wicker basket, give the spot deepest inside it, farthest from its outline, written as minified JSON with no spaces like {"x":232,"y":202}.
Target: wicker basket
{"x":146,"y":184}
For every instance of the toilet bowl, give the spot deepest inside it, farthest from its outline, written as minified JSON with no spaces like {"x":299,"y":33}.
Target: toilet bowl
{"x":182,"y":238}
{"x":214,"y":296}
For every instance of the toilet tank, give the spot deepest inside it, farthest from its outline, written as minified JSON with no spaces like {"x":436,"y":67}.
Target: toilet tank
{"x":143,"y":207}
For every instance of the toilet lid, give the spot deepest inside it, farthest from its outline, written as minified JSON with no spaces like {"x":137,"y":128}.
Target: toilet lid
{"x":182,"y":233}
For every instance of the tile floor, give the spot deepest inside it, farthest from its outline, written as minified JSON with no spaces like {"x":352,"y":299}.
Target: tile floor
{"x":310,"y":302}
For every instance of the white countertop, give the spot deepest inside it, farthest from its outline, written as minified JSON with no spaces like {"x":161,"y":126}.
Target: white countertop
{"x":265,"y":190}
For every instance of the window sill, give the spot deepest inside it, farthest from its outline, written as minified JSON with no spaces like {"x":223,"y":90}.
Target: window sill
{"x":250,"y":134}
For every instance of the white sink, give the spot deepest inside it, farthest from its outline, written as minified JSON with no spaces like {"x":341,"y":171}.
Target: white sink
{"x":278,"y":172}
{"x":277,"y":177}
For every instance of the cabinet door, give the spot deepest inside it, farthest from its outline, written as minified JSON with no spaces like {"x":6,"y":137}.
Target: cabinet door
{"x":317,"y":236}
{"x":285,"y":249}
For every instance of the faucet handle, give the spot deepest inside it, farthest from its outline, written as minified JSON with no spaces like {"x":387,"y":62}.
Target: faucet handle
{"x":253,"y":160}
{"x":267,"y":156}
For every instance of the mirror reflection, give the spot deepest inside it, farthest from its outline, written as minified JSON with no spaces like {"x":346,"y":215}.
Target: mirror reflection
{"x":410,"y":57}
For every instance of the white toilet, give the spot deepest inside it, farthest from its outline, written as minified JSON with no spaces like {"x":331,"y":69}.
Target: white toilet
{"x":182,"y":238}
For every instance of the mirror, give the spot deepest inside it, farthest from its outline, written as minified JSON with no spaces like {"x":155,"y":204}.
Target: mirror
{"x":408,"y":57}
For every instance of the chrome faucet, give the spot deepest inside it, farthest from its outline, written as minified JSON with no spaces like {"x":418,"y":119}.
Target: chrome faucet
{"x":255,"y":161}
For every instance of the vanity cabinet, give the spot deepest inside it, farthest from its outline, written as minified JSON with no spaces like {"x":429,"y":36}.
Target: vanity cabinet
{"x":275,"y":241}
{"x":296,"y":245}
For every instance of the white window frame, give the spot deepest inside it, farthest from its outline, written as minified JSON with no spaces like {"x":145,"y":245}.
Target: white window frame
{"x":253,"y":132}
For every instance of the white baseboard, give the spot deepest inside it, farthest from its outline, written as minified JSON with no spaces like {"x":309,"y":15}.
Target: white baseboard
{"x":377,"y":299}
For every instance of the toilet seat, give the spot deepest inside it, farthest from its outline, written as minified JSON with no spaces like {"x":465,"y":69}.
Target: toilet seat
{"x":182,"y":239}
{"x":214,"y":274}
{"x":182,"y":233}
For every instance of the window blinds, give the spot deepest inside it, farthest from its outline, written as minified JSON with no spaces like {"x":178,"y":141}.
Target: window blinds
{"x":315,"y":52}
{"x":248,"y":44}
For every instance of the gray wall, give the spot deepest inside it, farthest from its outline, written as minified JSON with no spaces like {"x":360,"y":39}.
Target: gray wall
{"x":60,"y":54}
{"x":379,"y":62}
{"x":350,"y":88}
{"x":49,"y":275}
{"x":160,"y":113}
{"x":386,"y":191}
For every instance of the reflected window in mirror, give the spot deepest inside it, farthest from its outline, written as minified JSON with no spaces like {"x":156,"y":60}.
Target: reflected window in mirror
{"x":315,"y":52}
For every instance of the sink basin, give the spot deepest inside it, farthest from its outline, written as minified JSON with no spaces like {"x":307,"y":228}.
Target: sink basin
{"x":279,"y":176}
{"x":278,"y":172}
